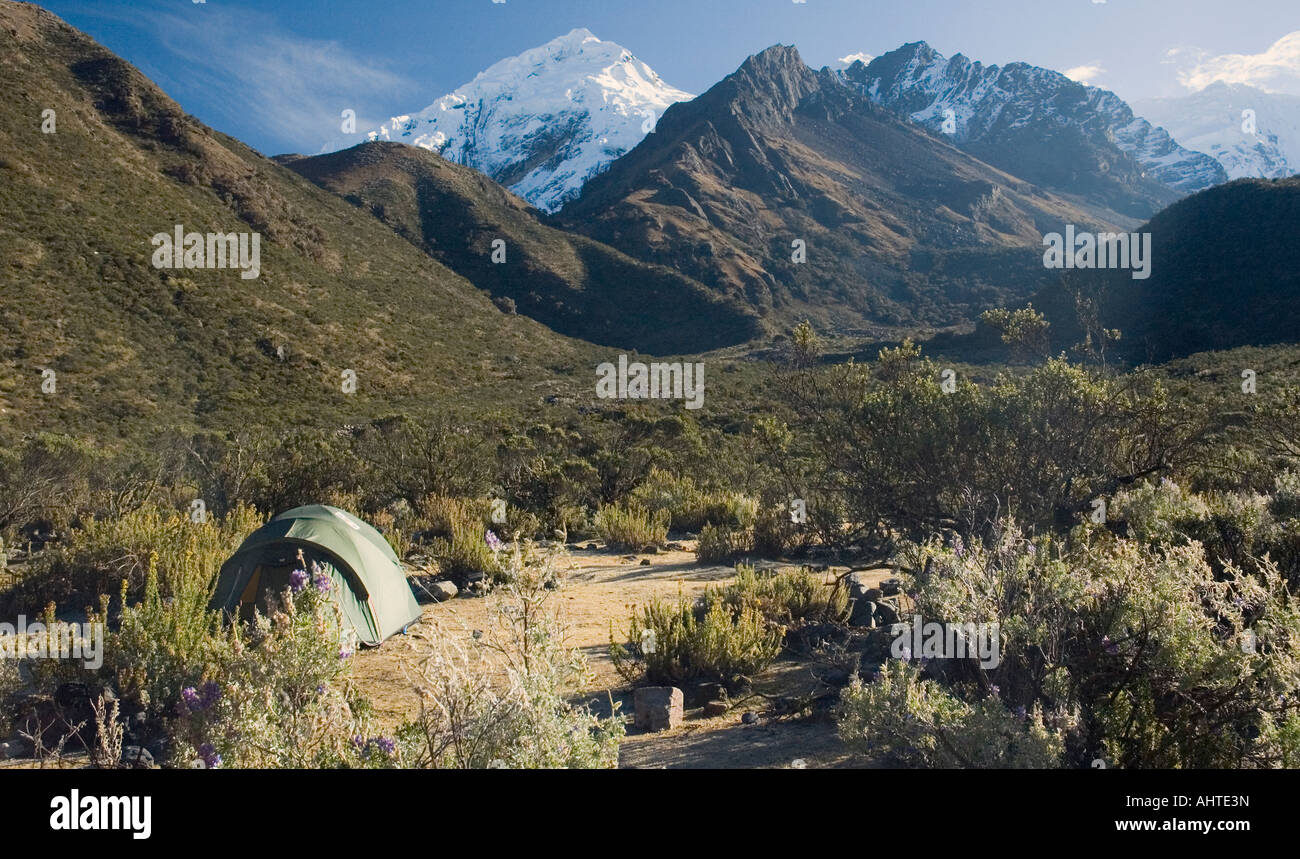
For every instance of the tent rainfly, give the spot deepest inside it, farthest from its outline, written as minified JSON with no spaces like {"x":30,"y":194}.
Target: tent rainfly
{"x":367,"y":578}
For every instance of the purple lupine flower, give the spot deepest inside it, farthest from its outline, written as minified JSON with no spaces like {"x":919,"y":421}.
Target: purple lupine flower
{"x":358,"y":740}
{"x":385,"y":745}
{"x":345,"y":652}
{"x":211,"y":694}
{"x":208,"y":754}
{"x":321,"y":580}
{"x":1021,"y":712}
{"x":190,"y":697}
{"x":297,"y":581}
{"x":995,"y":690}
{"x":494,"y":542}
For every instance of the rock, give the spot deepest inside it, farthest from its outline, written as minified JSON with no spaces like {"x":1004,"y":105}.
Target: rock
{"x":675,"y":547}
{"x":864,"y":607}
{"x":591,"y":547}
{"x":749,"y":718}
{"x":890,"y":587}
{"x":715,"y":708}
{"x":645,"y":562}
{"x":886,"y":613}
{"x":443,"y":591}
{"x":658,"y":708}
{"x":137,"y":757}
{"x":705,"y":692}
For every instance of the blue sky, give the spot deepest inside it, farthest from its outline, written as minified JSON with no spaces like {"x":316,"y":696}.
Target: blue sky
{"x":277,"y":74}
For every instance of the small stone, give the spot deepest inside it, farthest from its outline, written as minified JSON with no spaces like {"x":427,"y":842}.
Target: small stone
{"x":443,"y":591}
{"x":137,"y":757}
{"x":645,"y":562}
{"x":591,"y":547}
{"x":715,"y":708}
{"x":658,"y":708}
{"x":749,"y":718}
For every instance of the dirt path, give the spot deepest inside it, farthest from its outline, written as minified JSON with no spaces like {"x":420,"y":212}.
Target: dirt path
{"x":601,"y":587}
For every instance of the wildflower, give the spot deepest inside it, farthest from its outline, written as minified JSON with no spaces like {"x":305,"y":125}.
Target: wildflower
{"x":208,"y":754}
{"x":995,"y":690}
{"x":211,"y":694}
{"x":385,"y":745}
{"x":297,"y":581}
{"x":190,"y":697}
{"x":345,"y":652}
{"x":1021,"y":712}
{"x":321,"y":580}
{"x":494,"y":542}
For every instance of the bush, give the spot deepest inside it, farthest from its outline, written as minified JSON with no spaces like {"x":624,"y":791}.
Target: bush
{"x":276,"y":694}
{"x":10,"y":685}
{"x":719,"y":544}
{"x":791,"y":599}
{"x":466,"y":552}
{"x":503,"y":699}
{"x":1135,"y":654}
{"x":632,"y":528}
{"x":905,"y":721}
{"x":96,"y":559}
{"x":707,"y":639}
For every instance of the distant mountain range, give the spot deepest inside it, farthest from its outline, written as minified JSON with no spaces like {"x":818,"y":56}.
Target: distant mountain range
{"x":1039,"y":125}
{"x":541,"y":123}
{"x":899,"y":226}
{"x":781,"y":194}
{"x":1253,"y":134}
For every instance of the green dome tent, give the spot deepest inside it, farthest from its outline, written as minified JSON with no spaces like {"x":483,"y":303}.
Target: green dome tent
{"x":368,"y":582}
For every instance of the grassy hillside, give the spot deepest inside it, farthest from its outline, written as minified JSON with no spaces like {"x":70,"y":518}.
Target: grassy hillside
{"x":567,"y":281}
{"x":137,"y":346}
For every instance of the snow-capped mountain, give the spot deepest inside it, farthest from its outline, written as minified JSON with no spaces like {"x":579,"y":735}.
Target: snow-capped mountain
{"x":1034,"y":122}
{"x":541,"y":123}
{"x":1214,"y":121}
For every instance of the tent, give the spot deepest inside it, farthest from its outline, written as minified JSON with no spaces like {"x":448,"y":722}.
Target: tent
{"x":367,"y":578}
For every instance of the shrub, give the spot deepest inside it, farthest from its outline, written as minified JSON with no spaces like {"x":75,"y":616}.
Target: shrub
{"x":466,"y":551}
{"x":276,"y":693}
{"x":673,"y":643}
{"x":791,"y":599}
{"x":161,"y":645}
{"x":632,"y":528}
{"x":906,"y":721}
{"x":719,"y":544}
{"x":1134,"y":654}
{"x":97,"y":558}
{"x":10,"y":685}
{"x":503,"y":700}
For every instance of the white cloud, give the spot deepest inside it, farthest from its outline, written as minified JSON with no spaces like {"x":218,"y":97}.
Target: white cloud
{"x":851,"y":58}
{"x":295,"y":89}
{"x":1084,"y":74}
{"x":1276,"y":69}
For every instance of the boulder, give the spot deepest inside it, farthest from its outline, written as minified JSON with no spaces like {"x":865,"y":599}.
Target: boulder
{"x":443,"y":591}
{"x":658,"y":708}
{"x":715,"y":708}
